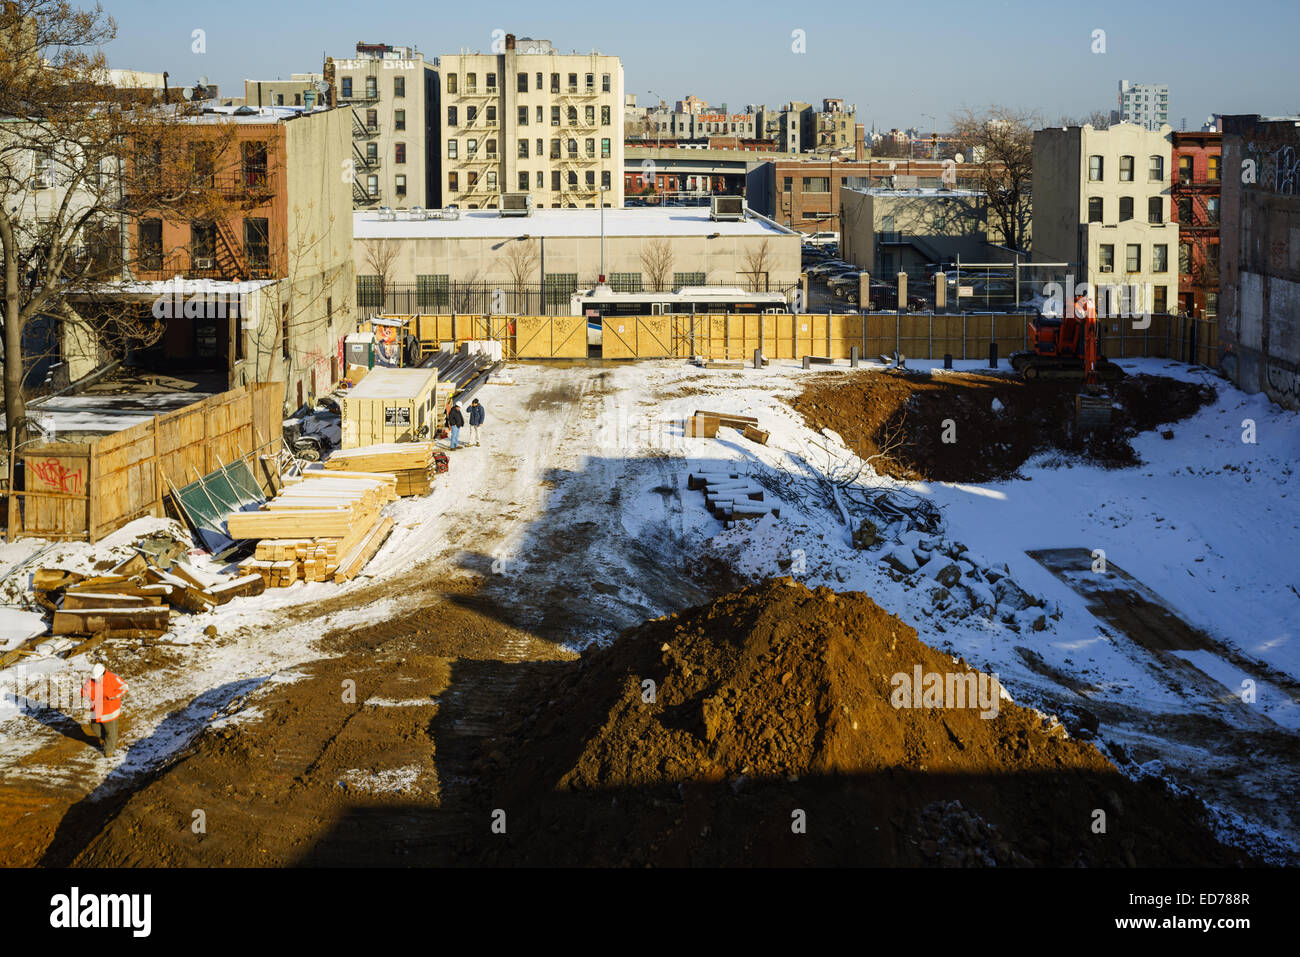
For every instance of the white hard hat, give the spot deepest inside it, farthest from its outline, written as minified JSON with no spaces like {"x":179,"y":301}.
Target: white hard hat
{"x":97,"y":671}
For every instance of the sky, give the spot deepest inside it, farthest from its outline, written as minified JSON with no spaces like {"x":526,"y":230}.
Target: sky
{"x":900,"y":65}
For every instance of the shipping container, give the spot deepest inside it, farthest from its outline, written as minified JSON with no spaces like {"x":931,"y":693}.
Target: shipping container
{"x":391,"y":405}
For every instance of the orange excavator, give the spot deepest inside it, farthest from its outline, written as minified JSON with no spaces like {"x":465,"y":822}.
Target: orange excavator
{"x":1066,"y":348}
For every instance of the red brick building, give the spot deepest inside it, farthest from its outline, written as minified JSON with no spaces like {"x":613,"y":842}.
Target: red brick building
{"x":1195,"y":208}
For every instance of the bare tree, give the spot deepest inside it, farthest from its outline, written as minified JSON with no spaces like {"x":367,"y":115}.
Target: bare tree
{"x":1001,"y":141}
{"x":657,"y":263}
{"x":79,"y":165}
{"x":381,"y":257}
{"x":520,"y":261}
{"x":758,"y":261}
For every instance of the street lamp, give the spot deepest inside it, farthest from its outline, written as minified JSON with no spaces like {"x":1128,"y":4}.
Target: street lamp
{"x":603,"y":190}
{"x":934,"y":132}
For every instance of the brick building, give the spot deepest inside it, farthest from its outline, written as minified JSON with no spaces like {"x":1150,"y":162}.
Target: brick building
{"x":1195,"y":207}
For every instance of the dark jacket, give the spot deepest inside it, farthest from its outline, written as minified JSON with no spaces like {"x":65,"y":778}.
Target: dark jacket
{"x":454,"y":417}
{"x":475,"y":414}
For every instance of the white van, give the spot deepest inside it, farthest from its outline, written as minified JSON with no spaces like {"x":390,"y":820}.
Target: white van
{"x":821,"y":239}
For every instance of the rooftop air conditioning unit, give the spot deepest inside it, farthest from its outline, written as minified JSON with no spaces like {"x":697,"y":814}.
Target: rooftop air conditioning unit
{"x":451,"y":212}
{"x":203,"y":262}
{"x":419,"y":214}
{"x":516,"y":204}
{"x":727,"y":208}
{"x":386,"y":214}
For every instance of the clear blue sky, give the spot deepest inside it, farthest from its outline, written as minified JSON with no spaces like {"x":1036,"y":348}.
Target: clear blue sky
{"x":895,"y":64}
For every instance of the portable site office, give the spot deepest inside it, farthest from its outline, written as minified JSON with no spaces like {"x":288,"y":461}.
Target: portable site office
{"x":391,"y":405}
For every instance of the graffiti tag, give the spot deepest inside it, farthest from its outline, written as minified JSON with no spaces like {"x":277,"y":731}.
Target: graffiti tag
{"x":58,"y":476}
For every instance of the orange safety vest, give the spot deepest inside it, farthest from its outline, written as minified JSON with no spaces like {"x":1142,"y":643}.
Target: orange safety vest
{"x":105,"y":696}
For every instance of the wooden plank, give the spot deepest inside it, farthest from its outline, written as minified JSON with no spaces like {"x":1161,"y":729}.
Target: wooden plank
{"x":239,"y":587}
{"x":292,"y":523}
{"x":88,"y":621}
{"x":48,"y":579}
{"x":74,"y":601}
{"x":755,"y":435}
{"x":364,"y":551}
{"x":729,"y":415}
{"x":702,"y":427}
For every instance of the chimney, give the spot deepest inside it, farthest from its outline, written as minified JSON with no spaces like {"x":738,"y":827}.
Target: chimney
{"x":859,"y":142}
{"x":329,"y":74}
{"x":510,"y":42}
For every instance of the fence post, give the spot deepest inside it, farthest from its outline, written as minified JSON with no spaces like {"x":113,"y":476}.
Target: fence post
{"x":930,"y":354}
{"x":963,"y":334}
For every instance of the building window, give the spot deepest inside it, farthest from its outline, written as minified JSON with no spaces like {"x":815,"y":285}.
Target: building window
{"x":787,"y":183}
{"x":491,"y":179}
{"x":279,"y":99}
{"x":687,"y":279}
{"x":1094,"y":209}
{"x":372,"y":154}
{"x":491,"y":116}
{"x":432,"y":292}
{"x":539,"y":82}
{"x":451,"y":116}
{"x":573,"y":149}
{"x":491,"y":82}
{"x":491,"y":146}
{"x":523,"y":116}
{"x":372,"y":88}
{"x":555,"y":181}
{"x":471,"y":179}
{"x":541,"y":179}
{"x":816,"y":184}
{"x":1156,"y":169}
{"x":604,"y":116}
{"x":604,"y":147}
{"x":1184,"y":169}
{"x":523,"y":177}
{"x":1160,"y":258}
{"x":1160,"y":300}
{"x":151,"y":244}
{"x":573,"y":83}
{"x":399,"y":86}
{"x":523,"y":148}
{"x":471,"y":82}
{"x":591,"y":179}
{"x":1125,"y":208}
{"x":372,"y":120}
{"x":399,"y":152}
{"x":1096,"y":168}
{"x":1212,"y":210}
{"x":399,"y":119}
{"x":625,"y":281}
{"x":1185,"y":258}
{"x":1126,"y":169}
{"x":372,"y":185}
{"x":521,"y":82}
{"x":453,"y":182}
{"x":1212,"y":174}
{"x":203,"y":245}
{"x":591,"y":83}
{"x":555,"y":116}
{"x":370,"y":292}
{"x":347,"y":88}
{"x":1212,"y":260}
{"x":1106,"y":258}
{"x":604,"y":83}
{"x":573,"y":179}
{"x":257,"y":250}
{"x":470,"y":113}
{"x":555,"y":149}
{"x":451,"y":82}
{"x":399,"y":184}
{"x":451,"y":149}
{"x":1133,"y":258}
{"x":1155,"y":210}
{"x":555,"y":83}
{"x":1185,"y":211}
{"x":471,"y":148}
{"x":1211,"y":305}
{"x":559,"y":287}
{"x":573,"y":116}
{"x":591,"y":148}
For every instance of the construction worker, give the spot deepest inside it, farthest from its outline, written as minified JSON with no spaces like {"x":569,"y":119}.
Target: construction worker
{"x":455,"y":421}
{"x":475,"y":419}
{"x":103,"y":691}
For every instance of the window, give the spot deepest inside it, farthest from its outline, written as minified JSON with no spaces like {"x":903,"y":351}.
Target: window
{"x":1133,"y":258}
{"x":555,"y":116}
{"x":687,"y":279}
{"x":451,"y":82}
{"x":1160,"y":258}
{"x":573,"y":83}
{"x":453,"y":182}
{"x":347,"y":88}
{"x":491,"y":82}
{"x":521,"y":82}
{"x":1185,"y":210}
{"x":1185,"y":258}
{"x":1094,"y":209}
{"x":1211,"y":305}
{"x":573,"y":179}
{"x":541,"y":179}
{"x":523,"y":116}
{"x":573,"y":148}
{"x":432,"y":292}
{"x":1126,"y":169}
{"x":399,"y":184}
{"x":555,"y":149}
{"x":471,"y":178}
{"x":559,"y":287}
{"x":370,"y":292}
{"x":555,"y":83}
{"x":605,"y":180}
{"x":451,"y":149}
{"x":591,"y":148}
{"x":399,"y":86}
{"x":491,"y":146}
{"x":1160,"y":300}
{"x":151,"y":244}
{"x":470,"y":113}
{"x":372,"y":88}
{"x":1155,"y":210}
{"x":573,"y":116}
{"x":471,"y":82}
{"x":254,"y":162}
{"x":523,"y":177}
{"x":604,"y":116}
{"x":471,"y":148}
{"x":625,"y":281}
{"x":589,"y":115}
{"x":372,"y":185}
{"x":555,"y":181}
{"x":1212,"y":210}
{"x":491,"y":179}
{"x":279,"y":99}
{"x":399,"y":152}
{"x":1125,"y":208}
{"x":604,"y":147}
{"x":372,"y":154}
{"x":1184,"y":169}
{"x":1106,"y":258}
{"x":399,"y":119}
{"x":1212,"y":259}
{"x":816,"y":184}
{"x":787,"y":184}
{"x":451,"y":116}
{"x":1096,"y":168}
{"x":256,"y":246}
{"x":591,"y":83}
{"x":591,"y":179}
{"x":1212,"y":175}
{"x":523,"y":148}
{"x":604,"y":83}
{"x":1155,"y":168}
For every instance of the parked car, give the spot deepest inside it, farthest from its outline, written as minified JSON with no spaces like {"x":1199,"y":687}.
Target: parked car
{"x":840,"y":273}
{"x":884,"y":297}
{"x":828,"y":267}
{"x":822,"y":238}
{"x":844,"y":284}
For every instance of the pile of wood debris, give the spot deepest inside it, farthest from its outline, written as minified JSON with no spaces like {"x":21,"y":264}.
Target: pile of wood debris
{"x":705,"y":425}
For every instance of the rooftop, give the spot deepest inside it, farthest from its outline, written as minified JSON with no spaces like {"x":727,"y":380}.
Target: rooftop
{"x":638,"y":221}
{"x":931,"y":192}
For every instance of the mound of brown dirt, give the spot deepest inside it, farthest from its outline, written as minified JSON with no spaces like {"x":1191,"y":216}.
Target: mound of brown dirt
{"x":778,"y":698}
{"x":959,"y":427}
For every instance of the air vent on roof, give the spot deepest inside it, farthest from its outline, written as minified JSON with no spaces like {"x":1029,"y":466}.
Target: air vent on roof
{"x":386,"y":214}
{"x":419,"y":214}
{"x":727,"y":208}
{"x":516,"y":204}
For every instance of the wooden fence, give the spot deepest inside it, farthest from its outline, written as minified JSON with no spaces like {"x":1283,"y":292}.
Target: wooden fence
{"x":786,"y":336}
{"x":84,"y":491}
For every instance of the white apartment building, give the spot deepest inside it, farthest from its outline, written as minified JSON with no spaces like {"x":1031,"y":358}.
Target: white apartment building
{"x":1145,"y":104}
{"x":1102,"y":202}
{"x":391,"y":91}
{"x":529,"y":120}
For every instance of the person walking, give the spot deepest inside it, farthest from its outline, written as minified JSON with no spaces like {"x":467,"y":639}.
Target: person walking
{"x":455,"y":421}
{"x":103,"y":692}
{"x":475,"y":419}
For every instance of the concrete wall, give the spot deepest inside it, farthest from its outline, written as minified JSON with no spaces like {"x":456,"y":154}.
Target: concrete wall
{"x":942,"y":226}
{"x":1259,"y":279}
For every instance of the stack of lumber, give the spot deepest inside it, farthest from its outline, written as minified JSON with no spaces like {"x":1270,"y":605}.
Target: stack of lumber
{"x":704,"y":425}
{"x":134,"y":599}
{"x":413,"y":464}
{"x":730,"y":496}
{"x":317,"y":527}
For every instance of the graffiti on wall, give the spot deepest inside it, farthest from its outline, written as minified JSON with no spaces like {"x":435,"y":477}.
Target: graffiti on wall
{"x":1277,"y":169}
{"x":57,"y":477}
